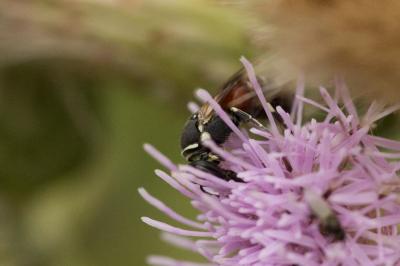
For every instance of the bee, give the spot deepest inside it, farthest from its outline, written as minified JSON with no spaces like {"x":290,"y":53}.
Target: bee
{"x":329,"y":224}
{"x":238,"y":99}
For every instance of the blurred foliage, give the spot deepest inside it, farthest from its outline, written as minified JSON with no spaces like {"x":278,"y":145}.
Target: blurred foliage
{"x":163,"y":44}
{"x":39,"y":115}
{"x":83,"y":84}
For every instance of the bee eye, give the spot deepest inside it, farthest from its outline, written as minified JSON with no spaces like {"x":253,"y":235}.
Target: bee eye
{"x":218,"y":130}
{"x":190,"y":134}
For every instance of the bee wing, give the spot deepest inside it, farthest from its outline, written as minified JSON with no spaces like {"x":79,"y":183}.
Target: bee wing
{"x":224,"y":97}
{"x":238,"y":92}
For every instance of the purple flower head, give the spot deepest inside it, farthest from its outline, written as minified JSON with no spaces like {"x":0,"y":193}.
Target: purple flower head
{"x":296,"y":181}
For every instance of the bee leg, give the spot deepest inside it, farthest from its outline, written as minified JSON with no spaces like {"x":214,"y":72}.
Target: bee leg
{"x":214,"y":169}
{"x":244,"y":117}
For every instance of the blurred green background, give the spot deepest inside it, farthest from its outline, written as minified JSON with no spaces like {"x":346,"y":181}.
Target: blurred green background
{"x":83,"y":84}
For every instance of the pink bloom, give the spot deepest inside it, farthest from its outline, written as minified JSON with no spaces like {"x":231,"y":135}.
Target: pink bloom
{"x":271,"y":218}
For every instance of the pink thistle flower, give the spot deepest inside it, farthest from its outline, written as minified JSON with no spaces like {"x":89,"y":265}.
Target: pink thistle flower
{"x":292,"y":179}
